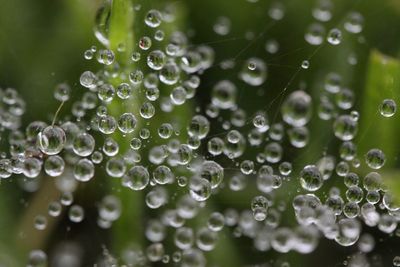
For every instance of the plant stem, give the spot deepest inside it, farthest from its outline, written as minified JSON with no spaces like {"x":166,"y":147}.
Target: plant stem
{"x":128,"y":228}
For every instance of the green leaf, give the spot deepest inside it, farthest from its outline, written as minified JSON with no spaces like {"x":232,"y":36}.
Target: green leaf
{"x":128,"y":229}
{"x":376,"y":131}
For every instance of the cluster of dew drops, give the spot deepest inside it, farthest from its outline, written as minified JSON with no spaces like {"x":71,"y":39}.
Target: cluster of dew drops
{"x":68,"y":149}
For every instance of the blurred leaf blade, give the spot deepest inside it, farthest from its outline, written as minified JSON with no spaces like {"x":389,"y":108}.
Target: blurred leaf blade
{"x":127,"y":230}
{"x":377,"y":131}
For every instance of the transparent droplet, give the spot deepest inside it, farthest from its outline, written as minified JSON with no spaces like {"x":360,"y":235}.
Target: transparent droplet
{"x":165,"y":130}
{"x":31,"y":167}
{"x":315,"y":34}
{"x":215,"y":146}
{"x":147,"y":110}
{"x":163,"y":175}
{"x":372,"y":181}
{"x":102,"y":22}
{"x":178,"y":95}
{"x":156,"y":59}
{"x":105,"y":56}
{"x":54,"y":208}
{"x":54,"y":166}
{"x":276,"y":11}
{"x":297,"y":109}
{"x":388,"y":108}
{"x":153,"y":18}
{"x":354,"y":194}
{"x":124,"y":91}
{"x":354,"y":22}
{"x":127,"y":123}
{"x":135,"y":143}
{"x":216,"y":222}
{"x":345,"y":127}
{"x":348,"y":150}
{"x":206,"y":239}
{"x":351,"y":179}
{"x":152,"y":93}
{"x":66,"y":198}
{"x":52,"y":140}
{"x":110,"y":147}
{"x":285,"y":168}
{"x":396,"y":261}
{"x":159,"y":35}
{"x":282,"y":240}
{"x":375,"y":158}
{"x":222,"y":26}
{"x":351,"y":210}
{"x":136,"y":56}
{"x":40,"y":222}
{"x":373,"y":197}
{"x":106,"y":93}
{"x":83,"y":144}
{"x":62,"y":92}
{"x":136,"y":77}
{"x":224,"y":95}
{"x":311,"y":178}
{"x":200,"y":188}
{"x":84,"y":170}
{"x":169,"y":74}
{"x":199,"y":127}
{"x":259,"y":205}
{"x":247,"y":167}
{"x":107,"y":124}
{"x":254,"y":72}
{"x":110,"y":208}
{"x":145,"y":43}
{"x":345,"y":98}
{"x":272,"y":46}
{"x":76,"y":214}
{"x":298,"y":136}
{"x":88,"y":54}
{"x":184,"y":238}
{"x":137,"y":178}
{"x":193,"y":257}
{"x":334,"y":37}
{"x":115,"y":167}
{"x":260,"y":121}
{"x":305,"y":64}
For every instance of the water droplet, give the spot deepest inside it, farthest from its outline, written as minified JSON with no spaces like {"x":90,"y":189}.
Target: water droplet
{"x":311,"y":178}
{"x":254,"y":72}
{"x":296,"y":110}
{"x":354,"y":22}
{"x":145,"y":43}
{"x":127,"y":123}
{"x":388,"y":108}
{"x":375,"y":158}
{"x":137,"y":178}
{"x":156,"y":59}
{"x":76,"y":214}
{"x":153,"y":18}
{"x":88,"y":79}
{"x":315,"y":34}
{"x":305,"y":64}
{"x":224,"y":95}
{"x":105,"y":56}
{"x":51,"y":140}
{"x":83,"y":144}
{"x":334,"y":37}
{"x":84,"y":170}
{"x":62,"y":92}
{"x":54,"y":166}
